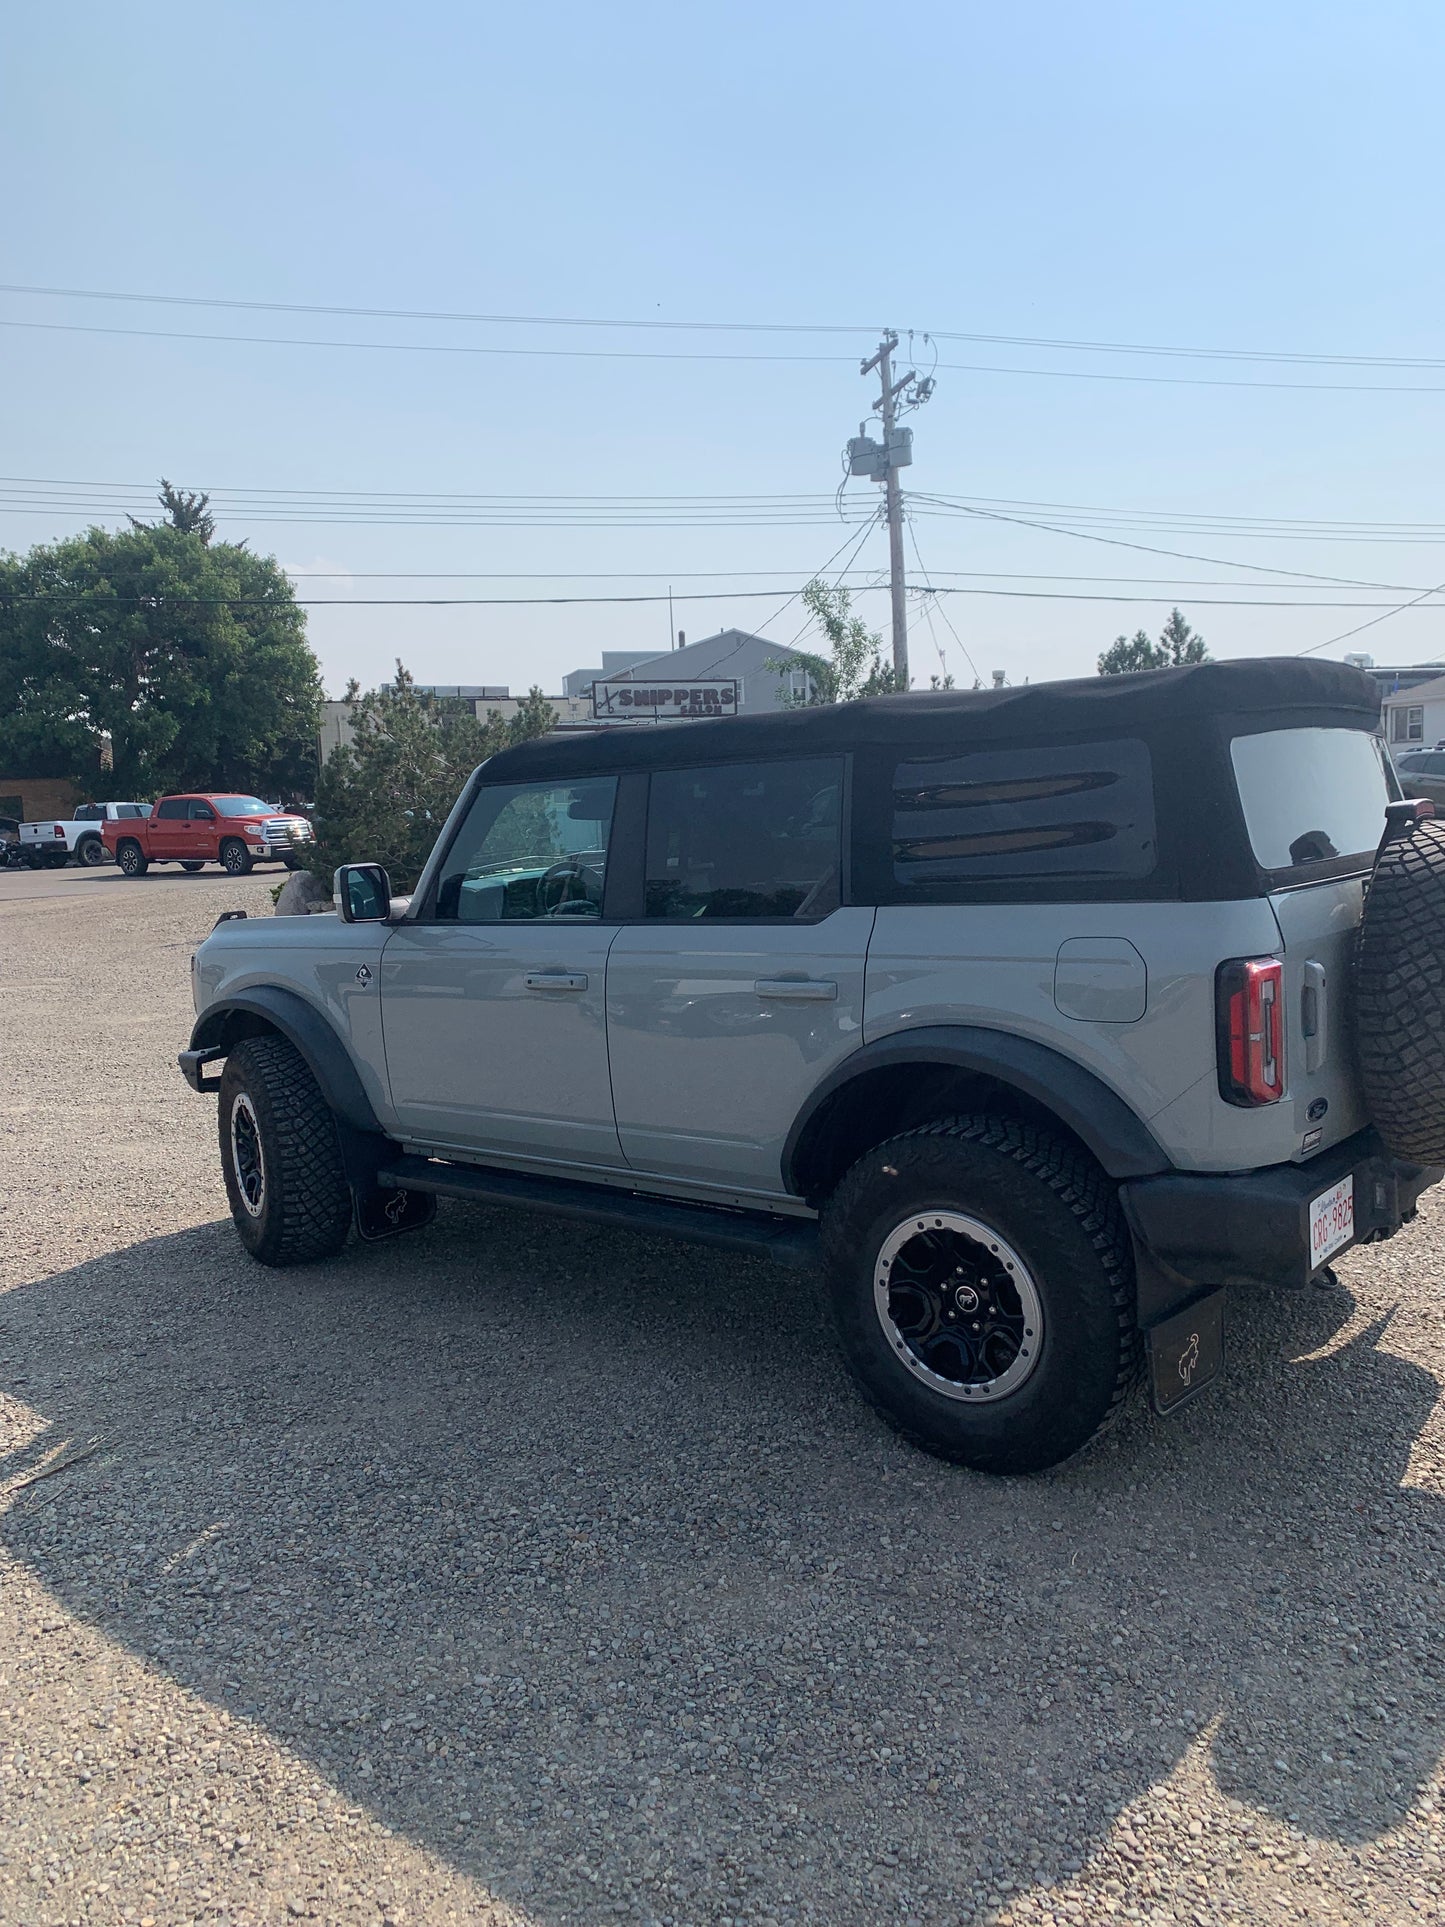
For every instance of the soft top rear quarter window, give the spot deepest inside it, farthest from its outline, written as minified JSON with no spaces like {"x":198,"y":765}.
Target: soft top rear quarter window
{"x":1054,"y":813}
{"x":1313,"y":799}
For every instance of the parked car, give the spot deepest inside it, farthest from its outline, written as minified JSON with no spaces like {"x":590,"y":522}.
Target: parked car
{"x":235,"y":831}
{"x":1036,"y":1013}
{"x":50,"y":842}
{"x":1422,"y":773}
{"x":12,"y":856}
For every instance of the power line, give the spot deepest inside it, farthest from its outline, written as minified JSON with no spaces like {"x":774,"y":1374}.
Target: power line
{"x":1145,"y":548}
{"x":413,"y":347}
{"x":932,"y":593}
{"x":653,"y":354}
{"x":823,"y":571}
{"x":1061,"y":344}
{"x":1398,"y":610}
{"x":725,"y":595}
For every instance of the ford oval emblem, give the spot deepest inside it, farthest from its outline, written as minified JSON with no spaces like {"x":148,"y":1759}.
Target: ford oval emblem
{"x":1317,"y":1109}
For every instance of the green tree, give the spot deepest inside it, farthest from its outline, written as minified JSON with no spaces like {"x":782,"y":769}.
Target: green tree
{"x":383,"y":797}
{"x":854,"y":664}
{"x":186,"y":511}
{"x":181,"y":660}
{"x":1177,"y":644}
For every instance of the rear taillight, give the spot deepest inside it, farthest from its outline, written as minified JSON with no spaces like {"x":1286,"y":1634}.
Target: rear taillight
{"x":1249,"y":1010}
{"x":60,"y":831}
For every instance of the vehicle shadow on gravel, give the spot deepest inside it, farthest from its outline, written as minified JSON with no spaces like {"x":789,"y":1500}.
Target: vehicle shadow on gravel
{"x":573,"y":1556}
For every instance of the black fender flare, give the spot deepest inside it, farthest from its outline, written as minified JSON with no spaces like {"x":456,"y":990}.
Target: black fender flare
{"x":302,"y":1025}
{"x":1123,"y":1144}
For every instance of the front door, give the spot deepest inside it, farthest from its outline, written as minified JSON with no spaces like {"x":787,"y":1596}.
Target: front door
{"x":494,"y":1004}
{"x":203,"y":839}
{"x":743,"y":985}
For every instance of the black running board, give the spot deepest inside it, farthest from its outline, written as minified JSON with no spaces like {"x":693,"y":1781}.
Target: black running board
{"x":787,"y":1241}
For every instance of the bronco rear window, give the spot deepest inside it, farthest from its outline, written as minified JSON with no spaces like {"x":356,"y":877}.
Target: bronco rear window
{"x":1313,"y":799}
{"x":1080,"y":814}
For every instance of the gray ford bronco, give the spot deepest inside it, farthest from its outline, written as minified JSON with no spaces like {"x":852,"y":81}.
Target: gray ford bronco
{"x":1040,"y":1016}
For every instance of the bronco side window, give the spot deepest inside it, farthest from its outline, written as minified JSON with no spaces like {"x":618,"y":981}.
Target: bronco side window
{"x":1081,"y":813}
{"x":745,"y":841}
{"x":529,"y":850}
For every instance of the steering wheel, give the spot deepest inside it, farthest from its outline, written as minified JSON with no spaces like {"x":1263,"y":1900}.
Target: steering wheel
{"x":568,"y":871}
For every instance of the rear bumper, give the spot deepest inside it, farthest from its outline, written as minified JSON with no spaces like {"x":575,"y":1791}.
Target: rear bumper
{"x":1196,"y":1231}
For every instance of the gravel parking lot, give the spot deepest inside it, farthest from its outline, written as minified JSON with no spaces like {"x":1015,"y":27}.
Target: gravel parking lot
{"x":521,"y":1572}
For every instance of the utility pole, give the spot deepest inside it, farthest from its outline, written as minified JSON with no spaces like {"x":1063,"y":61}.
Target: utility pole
{"x":881,"y":462}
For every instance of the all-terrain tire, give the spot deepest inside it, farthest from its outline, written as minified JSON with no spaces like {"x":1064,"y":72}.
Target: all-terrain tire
{"x":1050,"y":1206}
{"x":236,"y":859}
{"x":1400,"y":995}
{"x":300,"y":1210}
{"x":90,"y":851}
{"x":131,"y":857}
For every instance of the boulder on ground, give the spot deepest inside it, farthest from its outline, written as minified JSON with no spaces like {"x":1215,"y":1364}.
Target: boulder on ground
{"x":302,"y":894}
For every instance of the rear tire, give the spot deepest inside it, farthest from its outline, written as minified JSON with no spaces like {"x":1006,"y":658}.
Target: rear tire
{"x":981,"y":1283}
{"x":235,"y":857}
{"x":192,"y":865}
{"x":90,"y":851}
{"x":280,"y":1156}
{"x":131,"y":857}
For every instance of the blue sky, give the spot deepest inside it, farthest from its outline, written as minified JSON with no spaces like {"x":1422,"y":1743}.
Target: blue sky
{"x":1220,"y":176}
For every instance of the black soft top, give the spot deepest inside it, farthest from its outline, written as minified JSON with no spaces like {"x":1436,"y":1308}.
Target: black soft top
{"x":1271,"y":691}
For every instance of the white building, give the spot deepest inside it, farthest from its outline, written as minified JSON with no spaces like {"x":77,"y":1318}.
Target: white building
{"x":1415,"y":717}
{"x":733,"y":655}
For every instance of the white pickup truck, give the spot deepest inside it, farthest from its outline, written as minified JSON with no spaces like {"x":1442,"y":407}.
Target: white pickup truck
{"x":50,"y":843}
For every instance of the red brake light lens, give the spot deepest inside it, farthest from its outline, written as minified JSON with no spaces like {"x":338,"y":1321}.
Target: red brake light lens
{"x":1249,"y":1007}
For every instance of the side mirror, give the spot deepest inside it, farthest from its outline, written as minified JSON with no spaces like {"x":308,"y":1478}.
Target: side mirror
{"x":362,"y":892}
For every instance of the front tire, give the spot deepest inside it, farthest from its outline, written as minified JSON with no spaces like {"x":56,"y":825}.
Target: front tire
{"x":132,"y":858}
{"x":280,"y":1156}
{"x":982,"y":1288}
{"x":235,"y":857}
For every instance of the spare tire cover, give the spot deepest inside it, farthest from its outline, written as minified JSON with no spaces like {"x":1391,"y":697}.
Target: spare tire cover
{"x":1400,"y":995}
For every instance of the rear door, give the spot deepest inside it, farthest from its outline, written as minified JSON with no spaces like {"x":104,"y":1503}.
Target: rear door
{"x":1314,"y":805}
{"x":742,"y":983}
{"x":170,"y":828}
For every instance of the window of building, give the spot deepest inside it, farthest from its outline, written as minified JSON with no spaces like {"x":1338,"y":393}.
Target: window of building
{"x":1407,"y":723}
{"x":746,"y":841}
{"x":529,"y":850}
{"x":1080,"y":814}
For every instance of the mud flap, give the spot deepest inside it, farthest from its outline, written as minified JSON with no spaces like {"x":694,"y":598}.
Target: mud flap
{"x":1186,"y":1353}
{"x":386,"y":1212}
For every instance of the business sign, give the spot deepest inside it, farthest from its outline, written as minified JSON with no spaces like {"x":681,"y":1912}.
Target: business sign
{"x":656,"y":702}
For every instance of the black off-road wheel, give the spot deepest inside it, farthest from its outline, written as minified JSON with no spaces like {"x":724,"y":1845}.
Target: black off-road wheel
{"x":1400,"y":995}
{"x":90,"y":851}
{"x":981,"y":1283}
{"x":131,"y":857}
{"x":280,"y":1156}
{"x":236,"y":859}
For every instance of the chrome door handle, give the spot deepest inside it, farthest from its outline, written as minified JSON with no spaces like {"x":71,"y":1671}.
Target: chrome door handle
{"x":556,"y":980}
{"x":810,"y":990}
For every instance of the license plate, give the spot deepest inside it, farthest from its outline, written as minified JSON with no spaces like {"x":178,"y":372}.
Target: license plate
{"x":1332,"y":1221}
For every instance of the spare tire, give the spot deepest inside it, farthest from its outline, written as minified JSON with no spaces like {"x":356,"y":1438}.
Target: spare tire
{"x":1400,"y":994}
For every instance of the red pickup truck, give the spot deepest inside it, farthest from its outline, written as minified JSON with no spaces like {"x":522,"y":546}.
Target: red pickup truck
{"x":235,"y":831}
